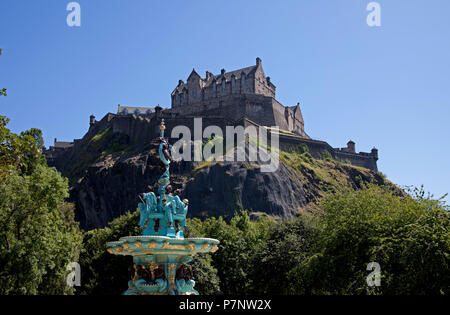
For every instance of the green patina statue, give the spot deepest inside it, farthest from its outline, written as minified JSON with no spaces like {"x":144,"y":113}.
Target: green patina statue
{"x":161,"y":254}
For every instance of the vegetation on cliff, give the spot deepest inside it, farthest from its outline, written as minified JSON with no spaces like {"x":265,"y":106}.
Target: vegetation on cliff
{"x":107,"y":170}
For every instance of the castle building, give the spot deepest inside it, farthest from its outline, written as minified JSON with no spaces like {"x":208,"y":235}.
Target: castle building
{"x":245,"y":92}
{"x":250,"y":80}
{"x":241,"y":97}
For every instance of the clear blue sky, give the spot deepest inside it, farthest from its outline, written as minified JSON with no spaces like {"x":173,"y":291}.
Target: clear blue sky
{"x":387,"y":87}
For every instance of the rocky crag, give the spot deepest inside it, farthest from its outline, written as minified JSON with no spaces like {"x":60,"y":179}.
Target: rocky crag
{"x":107,"y":170}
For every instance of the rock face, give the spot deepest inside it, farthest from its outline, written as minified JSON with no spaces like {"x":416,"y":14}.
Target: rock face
{"x":221,"y":189}
{"x":108,"y":170}
{"x":110,"y":188}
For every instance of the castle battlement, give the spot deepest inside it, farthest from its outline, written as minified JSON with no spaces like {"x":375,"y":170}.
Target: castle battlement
{"x":241,"y":97}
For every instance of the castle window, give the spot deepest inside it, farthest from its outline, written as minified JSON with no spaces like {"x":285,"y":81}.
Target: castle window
{"x":233,"y":83}
{"x":243,"y":80}
{"x":194,"y":92}
{"x":214,"y":86}
{"x":177,"y":97}
{"x":223,"y":85}
{"x":185,"y":95}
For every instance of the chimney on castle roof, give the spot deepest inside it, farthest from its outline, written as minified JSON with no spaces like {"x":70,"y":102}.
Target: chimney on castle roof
{"x":258,"y":61}
{"x":180,"y":82}
{"x":208,"y":75}
{"x":268,"y":80}
{"x":222,"y":72}
{"x":351,"y":146}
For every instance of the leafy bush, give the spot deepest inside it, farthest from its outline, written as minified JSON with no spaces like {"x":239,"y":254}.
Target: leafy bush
{"x":239,"y":240}
{"x":324,"y":254}
{"x":103,"y":273}
{"x":408,"y":236}
{"x":288,"y":244}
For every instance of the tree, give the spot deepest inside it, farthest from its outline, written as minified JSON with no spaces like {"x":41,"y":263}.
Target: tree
{"x":103,"y":273}
{"x":409,"y":236}
{"x":36,"y":243}
{"x":19,"y":152}
{"x":38,"y":233}
{"x":289,"y":244}
{"x":239,"y":239}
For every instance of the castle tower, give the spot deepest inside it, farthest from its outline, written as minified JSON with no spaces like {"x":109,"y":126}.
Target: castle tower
{"x":351,"y":146}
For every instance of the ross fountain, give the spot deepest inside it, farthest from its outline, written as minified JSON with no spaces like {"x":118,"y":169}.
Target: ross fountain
{"x":161,"y":255}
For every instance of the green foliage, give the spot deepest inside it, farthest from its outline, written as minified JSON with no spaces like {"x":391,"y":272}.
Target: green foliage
{"x":302,"y":153}
{"x":103,"y":273}
{"x":38,"y":235}
{"x":302,"y":148}
{"x":324,"y":254}
{"x":288,"y":244}
{"x":409,"y":237}
{"x":239,"y":240}
{"x":326,"y":155}
{"x":19,"y":152}
{"x":97,"y":148}
{"x":207,"y":281}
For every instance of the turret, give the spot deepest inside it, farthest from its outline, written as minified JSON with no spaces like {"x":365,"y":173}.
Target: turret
{"x":374,"y":153}
{"x":351,"y":147}
{"x":158,"y":110}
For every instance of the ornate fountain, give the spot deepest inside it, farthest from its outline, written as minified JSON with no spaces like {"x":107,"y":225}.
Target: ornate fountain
{"x":161,"y":255}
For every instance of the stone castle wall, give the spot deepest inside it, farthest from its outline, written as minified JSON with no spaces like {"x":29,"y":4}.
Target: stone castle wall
{"x":147,"y":129}
{"x":264,"y":110}
{"x":317,"y":148}
{"x":144,"y":129}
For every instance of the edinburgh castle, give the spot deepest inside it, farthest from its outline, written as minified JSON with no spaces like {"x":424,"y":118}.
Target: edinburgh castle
{"x":245,"y":97}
